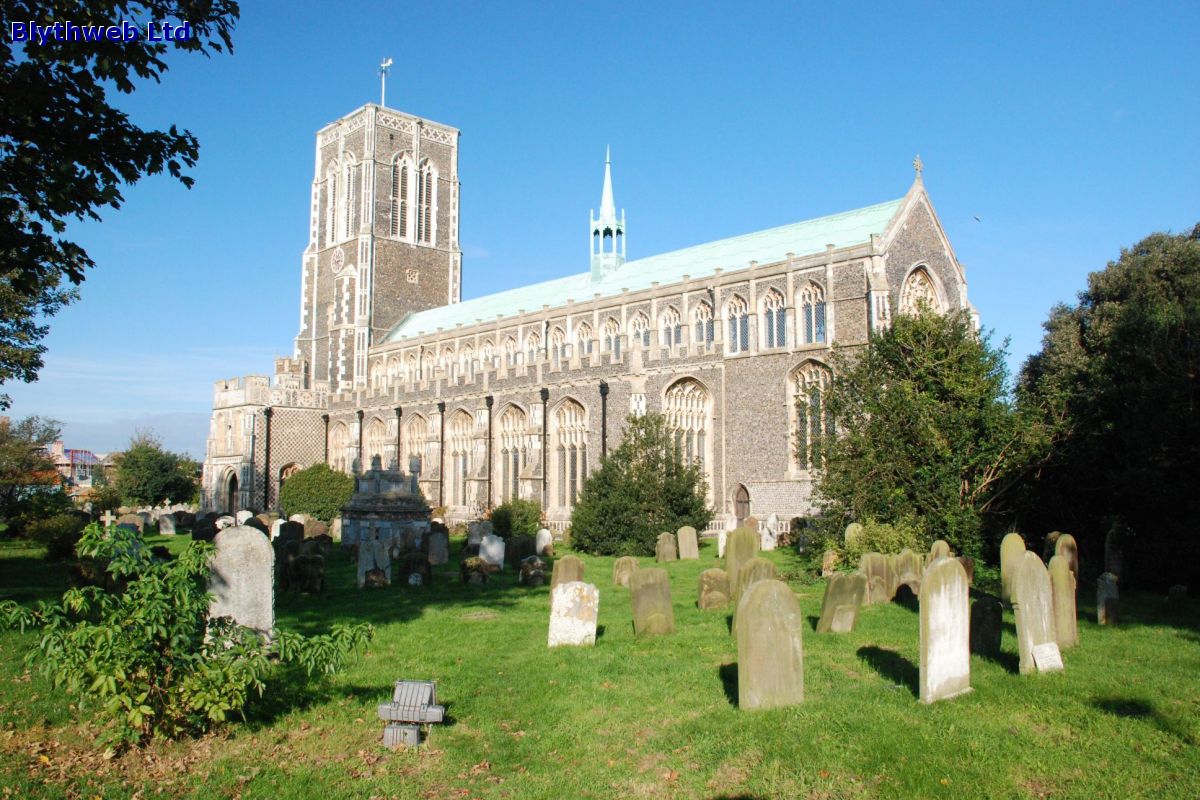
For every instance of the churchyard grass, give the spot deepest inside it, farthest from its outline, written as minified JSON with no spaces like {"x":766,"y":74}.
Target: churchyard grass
{"x":653,"y":717}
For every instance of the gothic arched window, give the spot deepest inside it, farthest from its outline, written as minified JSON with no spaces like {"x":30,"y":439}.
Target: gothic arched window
{"x":393,"y":370}
{"x":672,"y":330}
{"x":774,"y":319}
{"x":416,"y":440}
{"x":812,"y":314}
{"x":558,"y":341}
{"x":513,"y":424}
{"x":612,"y":337}
{"x":738,"y":313}
{"x":686,"y":407}
{"x":583,"y":337}
{"x":702,"y":319}
{"x":331,"y":205}
{"x":533,"y":343}
{"x":401,"y":178}
{"x":377,"y":374}
{"x":376,"y":442}
{"x":466,"y":360}
{"x":811,"y":421}
{"x":489,"y":353}
{"x":459,"y":444}
{"x":339,"y":444}
{"x":919,"y":293}
{"x":570,"y":449}
{"x":639,"y":330}
{"x":346,"y":211}
{"x":426,"y":203}
{"x":511,"y":351}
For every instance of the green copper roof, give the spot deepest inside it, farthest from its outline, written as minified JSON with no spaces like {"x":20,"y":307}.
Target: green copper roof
{"x":800,"y":238}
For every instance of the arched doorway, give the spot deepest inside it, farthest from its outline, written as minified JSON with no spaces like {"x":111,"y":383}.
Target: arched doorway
{"x":231,"y":493}
{"x":741,"y":504}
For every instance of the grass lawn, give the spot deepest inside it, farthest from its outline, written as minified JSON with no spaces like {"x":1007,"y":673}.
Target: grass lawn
{"x":652,"y":718}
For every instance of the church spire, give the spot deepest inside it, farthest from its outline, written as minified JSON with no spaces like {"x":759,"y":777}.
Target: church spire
{"x":607,"y":236}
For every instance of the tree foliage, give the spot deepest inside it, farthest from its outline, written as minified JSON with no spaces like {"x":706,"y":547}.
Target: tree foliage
{"x":517,"y":517}
{"x":148,"y":657}
{"x":317,"y":491}
{"x":644,"y":488}
{"x":926,"y":433}
{"x":25,"y":466}
{"x":146,"y":474}
{"x":1118,"y":374}
{"x":66,"y":152}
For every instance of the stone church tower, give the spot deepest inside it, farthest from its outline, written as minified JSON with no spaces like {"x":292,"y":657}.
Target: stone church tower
{"x":383,"y":239}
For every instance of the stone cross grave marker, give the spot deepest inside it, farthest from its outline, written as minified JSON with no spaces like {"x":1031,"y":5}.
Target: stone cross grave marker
{"x":574,"y":609}
{"x":108,"y":519}
{"x":242,"y":579}
{"x":770,"y":648}
{"x":945,"y":670}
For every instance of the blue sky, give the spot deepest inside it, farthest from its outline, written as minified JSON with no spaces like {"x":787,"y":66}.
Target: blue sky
{"x":1070,"y":130}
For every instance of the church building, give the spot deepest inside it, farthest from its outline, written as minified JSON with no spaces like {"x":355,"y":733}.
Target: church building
{"x":522,"y":393}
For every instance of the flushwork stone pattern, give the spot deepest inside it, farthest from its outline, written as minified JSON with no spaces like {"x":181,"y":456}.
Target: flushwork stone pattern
{"x":945,"y":670}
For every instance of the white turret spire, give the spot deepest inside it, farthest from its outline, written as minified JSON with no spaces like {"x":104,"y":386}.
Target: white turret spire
{"x":607,"y":232}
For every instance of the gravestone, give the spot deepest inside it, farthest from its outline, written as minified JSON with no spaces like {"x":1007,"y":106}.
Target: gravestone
{"x":939,"y":549}
{"x":277,"y":526}
{"x":829,"y":563}
{"x":224,"y":522}
{"x":1107,"y":599}
{"x":945,"y":669}
{"x":477,"y":530}
{"x":689,"y":546}
{"x":544,"y":542}
{"x":969,"y":565}
{"x":574,"y":608}
{"x":665,"y":549}
{"x":741,"y":546}
{"x":1033,"y":606}
{"x":1049,"y":543}
{"x":623,"y":567}
{"x":308,"y":574}
{"x":518,"y":548}
{"x":567,"y":569}
{"x":241,"y":579}
{"x":205,"y":530}
{"x":301,"y":518}
{"x":1114,"y":549}
{"x":650,"y":591}
{"x":1062,"y":592}
{"x":755,"y":570}
{"x":439,"y":548}
{"x":713,"y":589}
{"x":854,"y":535}
{"x":166,"y":525}
{"x":769,"y":536}
{"x":1012,"y":550}
{"x":184,"y":518}
{"x":844,"y":593}
{"x":752,"y":524}
{"x":874,"y":567}
{"x":257,"y":524}
{"x":243,"y":515}
{"x":722,"y":541}
{"x":491,"y":550}
{"x":289,"y":531}
{"x":374,"y":556}
{"x":987,"y":617}
{"x":131,"y":521}
{"x":770,"y":649}
{"x":315,"y":527}
{"x":533,"y":572}
{"x":1068,"y":549}
{"x":908,"y":568}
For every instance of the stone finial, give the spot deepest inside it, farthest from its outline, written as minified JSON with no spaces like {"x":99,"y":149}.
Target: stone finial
{"x":918,"y":166}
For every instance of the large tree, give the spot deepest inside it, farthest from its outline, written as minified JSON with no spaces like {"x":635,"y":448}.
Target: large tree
{"x":1120,"y":372}
{"x":926,"y":431}
{"x":147,"y":474}
{"x":24,"y":461}
{"x":66,"y":152}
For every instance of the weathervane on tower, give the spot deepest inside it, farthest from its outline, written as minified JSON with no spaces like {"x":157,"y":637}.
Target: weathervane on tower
{"x":384,"y":68}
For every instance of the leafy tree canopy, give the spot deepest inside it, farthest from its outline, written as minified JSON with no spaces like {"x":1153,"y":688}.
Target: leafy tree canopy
{"x":644,"y":488}
{"x":66,"y":151}
{"x":24,"y":461}
{"x":926,"y":433}
{"x":146,"y":474}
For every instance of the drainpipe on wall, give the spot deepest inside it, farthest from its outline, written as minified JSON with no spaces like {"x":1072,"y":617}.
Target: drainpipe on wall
{"x":325,"y":419}
{"x":545,"y":395}
{"x":603,"y":420}
{"x":489,"y":401}
{"x":399,"y":441}
{"x":267,"y":412}
{"x":361,"y":464}
{"x":441,"y":407}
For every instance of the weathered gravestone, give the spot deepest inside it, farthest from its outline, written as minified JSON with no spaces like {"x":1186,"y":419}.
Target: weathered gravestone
{"x":1049,"y":543}
{"x":289,"y":531}
{"x":257,"y":524}
{"x":713,"y":589}
{"x":241,"y":580}
{"x":205,"y":530}
{"x":1068,"y":549}
{"x":439,"y":548}
{"x":650,"y":591}
{"x":567,"y":569}
{"x":1012,"y":555}
{"x":623,"y":567}
{"x":243,"y":515}
{"x":166,"y":525}
{"x":315,"y":527}
{"x":829,"y":563}
{"x":854,"y":535}
{"x":491,"y":550}
{"x":301,"y":518}
{"x":689,"y":546}
{"x":770,"y":650}
{"x":374,"y":563}
{"x":755,"y":570}
{"x":224,"y":522}
{"x":276,"y":527}
{"x":839,"y":607}
{"x":519,"y":548}
{"x":769,"y":537}
{"x":722,"y":541}
{"x":969,"y":565}
{"x":131,"y":521}
{"x":574,"y":607}
{"x":1033,"y":606}
{"x":945,"y":670}
{"x":987,"y":617}
{"x":665,"y":549}
{"x":533,"y":572}
{"x":544,"y":542}
{"x":477,"y":530}
{"x":1062,"y":592}
{"x":1107,"y":599}
{"x":741,"y":546}
{"x":874,"y":567}
{"x":1114,"y":549}
{"x":939,"y":549}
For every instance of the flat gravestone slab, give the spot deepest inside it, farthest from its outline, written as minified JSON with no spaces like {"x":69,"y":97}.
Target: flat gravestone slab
{"x":574,"y":609}
{"x":568,"y":569}
{"x":1033,"y":607}
{"x":623,"y":567}
{"x":1047,"y":657}
{"x":651,"y":601}
{"x":713,"y":589}
{"x":844,"y":594}
{"x":242,"y":579}
{"x":689,"y":545}
{"x":665,"y":549}
{"x":770,"y":648}
{"x":1012,"y":550}
{"x":1062,"y":590}
{"x":945,"y":669}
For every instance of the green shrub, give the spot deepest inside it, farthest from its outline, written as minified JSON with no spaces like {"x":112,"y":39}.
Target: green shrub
{"x":60,"y":533}
{"x":881,"y":537}
{"x":516,"y":518}
{"x":148,"y":657}
{"x":642,"y":489}
{"x":317,"y":491}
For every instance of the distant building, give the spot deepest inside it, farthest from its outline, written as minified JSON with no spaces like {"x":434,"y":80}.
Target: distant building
{"x":522,"y":393}
{"x":77,"y":467}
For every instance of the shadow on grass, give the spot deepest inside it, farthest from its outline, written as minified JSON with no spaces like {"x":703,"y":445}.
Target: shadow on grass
{"x":290,"y":690}
{"x":813,"y":621}
{"x":729,"y":682}
{"x":1010,"y":662}
{"x":891,"y":665}
{"x":906,"y":598}
{"x":1137,"y":708}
